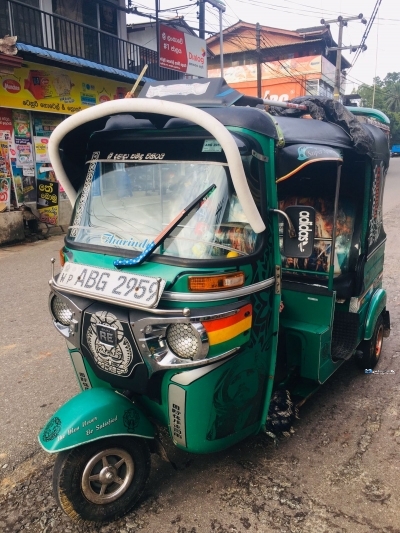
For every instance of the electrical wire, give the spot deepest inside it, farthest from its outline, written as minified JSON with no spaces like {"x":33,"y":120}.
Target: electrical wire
{"x":366,"y":32}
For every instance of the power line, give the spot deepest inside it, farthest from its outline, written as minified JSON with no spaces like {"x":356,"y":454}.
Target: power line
{"x":367,"y":30}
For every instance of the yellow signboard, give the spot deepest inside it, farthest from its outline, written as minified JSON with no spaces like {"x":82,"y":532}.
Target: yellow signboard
{"x":55,"y":90}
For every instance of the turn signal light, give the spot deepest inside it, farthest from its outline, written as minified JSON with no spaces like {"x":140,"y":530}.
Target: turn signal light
{"x":62,"y":258}
{"x":216,"y":283}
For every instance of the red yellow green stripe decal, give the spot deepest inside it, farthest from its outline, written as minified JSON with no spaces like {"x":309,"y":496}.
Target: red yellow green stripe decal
{"x":225,"y":329}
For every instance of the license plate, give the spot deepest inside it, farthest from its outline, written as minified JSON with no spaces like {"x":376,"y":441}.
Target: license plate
{"x":145,"y":291}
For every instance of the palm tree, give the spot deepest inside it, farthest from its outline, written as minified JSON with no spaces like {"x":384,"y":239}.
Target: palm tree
{"x":393,"y":97}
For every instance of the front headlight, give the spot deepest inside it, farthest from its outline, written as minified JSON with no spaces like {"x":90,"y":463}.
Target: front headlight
{"x":61,"y":312}
{"x":188,"y":341}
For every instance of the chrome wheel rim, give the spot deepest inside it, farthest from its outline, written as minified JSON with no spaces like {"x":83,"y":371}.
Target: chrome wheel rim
{"x":107,"y":475}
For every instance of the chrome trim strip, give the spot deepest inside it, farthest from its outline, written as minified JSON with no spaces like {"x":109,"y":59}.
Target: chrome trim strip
{"x":177,"y":414}
{"x":214,"y":296}
{"x":376,"y":249}
{"x":186,"y":378}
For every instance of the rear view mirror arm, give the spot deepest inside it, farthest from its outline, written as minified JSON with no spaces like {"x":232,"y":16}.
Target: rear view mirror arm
{"x":291,"y":230}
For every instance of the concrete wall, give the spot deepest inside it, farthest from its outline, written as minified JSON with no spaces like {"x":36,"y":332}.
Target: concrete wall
{"x":11,"y":227}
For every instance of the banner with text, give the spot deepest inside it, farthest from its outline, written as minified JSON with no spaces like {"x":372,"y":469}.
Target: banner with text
{"x":182,"y":52}
{"x":55,"y":90}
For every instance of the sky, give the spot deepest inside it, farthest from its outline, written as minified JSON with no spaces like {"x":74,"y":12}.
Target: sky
{"x":383,"y":42}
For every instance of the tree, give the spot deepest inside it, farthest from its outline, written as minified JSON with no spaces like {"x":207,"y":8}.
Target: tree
{"x":393,"y":97}
{"x":386,"y":99}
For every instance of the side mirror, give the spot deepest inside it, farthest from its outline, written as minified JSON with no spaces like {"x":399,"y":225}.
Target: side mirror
{"x":299,"y":243}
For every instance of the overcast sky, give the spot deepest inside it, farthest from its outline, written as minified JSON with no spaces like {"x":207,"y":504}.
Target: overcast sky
{"x":383,"y":42}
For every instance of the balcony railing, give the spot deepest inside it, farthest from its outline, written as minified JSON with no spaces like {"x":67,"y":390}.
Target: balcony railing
{"x":46,"y":30}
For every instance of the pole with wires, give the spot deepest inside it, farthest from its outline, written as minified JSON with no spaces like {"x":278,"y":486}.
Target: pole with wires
{"x":222,"y":8}
{"x":258,"y":51}
{"x":338,"y":70}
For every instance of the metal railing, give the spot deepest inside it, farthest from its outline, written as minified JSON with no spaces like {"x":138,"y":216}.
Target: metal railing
{"x":46,"y":30}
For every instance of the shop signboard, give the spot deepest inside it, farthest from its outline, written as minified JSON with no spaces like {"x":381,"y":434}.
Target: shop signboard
{"x":50,"y":89}
{"x":272,"y":70}
{"x":182,"y":52}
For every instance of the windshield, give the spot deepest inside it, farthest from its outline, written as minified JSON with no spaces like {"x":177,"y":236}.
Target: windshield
{"x":125,"y":206}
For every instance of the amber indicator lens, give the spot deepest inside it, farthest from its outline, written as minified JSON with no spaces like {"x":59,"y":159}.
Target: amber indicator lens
{"x":216,"y":283}
{"x":62,"y":258}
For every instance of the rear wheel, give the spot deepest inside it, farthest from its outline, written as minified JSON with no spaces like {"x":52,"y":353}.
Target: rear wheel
{"x":101,"y":481}
{"x":372,"y":348}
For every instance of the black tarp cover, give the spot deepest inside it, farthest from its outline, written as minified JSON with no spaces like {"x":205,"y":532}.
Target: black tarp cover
{"x":332,"y":111}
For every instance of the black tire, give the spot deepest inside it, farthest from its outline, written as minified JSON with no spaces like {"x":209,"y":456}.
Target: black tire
{"x":372,"y":349}
{"x":81,"y":498}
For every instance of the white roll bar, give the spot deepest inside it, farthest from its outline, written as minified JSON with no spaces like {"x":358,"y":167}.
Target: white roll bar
{"x":172,"y":109}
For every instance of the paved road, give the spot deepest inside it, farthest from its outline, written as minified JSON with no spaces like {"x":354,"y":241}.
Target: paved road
{"x":339,"y":473}
{"x":392,"y":190}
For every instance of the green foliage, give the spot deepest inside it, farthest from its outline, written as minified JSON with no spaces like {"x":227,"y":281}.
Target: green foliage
{"x":386,"y":98}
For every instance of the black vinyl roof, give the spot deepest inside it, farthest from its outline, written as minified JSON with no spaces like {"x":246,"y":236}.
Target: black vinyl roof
{"x":285,"y":130}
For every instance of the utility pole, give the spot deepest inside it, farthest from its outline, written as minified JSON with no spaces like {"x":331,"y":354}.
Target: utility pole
{"x":202,"y":19}
{"x":342,"y":22}
{"x":258,"y":50}
{"x":158,"y":30}
{"x":219,"y":4}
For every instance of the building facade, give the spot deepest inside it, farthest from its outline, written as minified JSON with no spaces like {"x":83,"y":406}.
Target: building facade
{"x":293,"y":63}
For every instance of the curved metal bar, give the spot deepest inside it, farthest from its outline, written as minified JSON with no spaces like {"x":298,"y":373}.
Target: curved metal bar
{"x":292,"y":231}
{"x":214,"y":296}
{"x":170,"y":109}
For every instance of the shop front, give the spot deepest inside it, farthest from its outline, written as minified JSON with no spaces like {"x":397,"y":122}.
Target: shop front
{"x":34,"y":99}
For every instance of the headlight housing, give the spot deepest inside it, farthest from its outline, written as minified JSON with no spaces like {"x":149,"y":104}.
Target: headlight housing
{"x":61,"y":312}
{"x":188,"y":341}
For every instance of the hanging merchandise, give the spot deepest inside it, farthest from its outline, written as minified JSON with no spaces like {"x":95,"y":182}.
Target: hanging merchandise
{"x":17,"y":181}
{"x":47,"y":202}
{"x":41,"y":145}
{"x":6,"y":125}
{"x":21,"y":123}
{"x":23,"y":152}
{"x":27,"y":175}
{"x":44,"y":126}
{"x":5,"y":177}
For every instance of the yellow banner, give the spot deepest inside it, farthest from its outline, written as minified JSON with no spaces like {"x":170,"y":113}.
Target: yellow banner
{"x":55,"y":90}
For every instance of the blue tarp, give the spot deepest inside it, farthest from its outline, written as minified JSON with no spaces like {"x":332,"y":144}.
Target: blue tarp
{"x":77,"y":61}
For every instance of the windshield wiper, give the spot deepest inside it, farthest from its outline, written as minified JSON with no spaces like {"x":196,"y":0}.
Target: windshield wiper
{"x":167,"y":231}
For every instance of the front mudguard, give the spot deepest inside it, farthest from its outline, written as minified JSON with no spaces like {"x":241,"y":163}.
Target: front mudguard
{"x":91,"y":415}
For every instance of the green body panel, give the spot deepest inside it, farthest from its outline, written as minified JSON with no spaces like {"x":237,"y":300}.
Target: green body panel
{"x":370,"y":112}
{"x":374,"y":267}
{"x":221,"y":406}
{"x":307,"y":323}
{"x":91,"y":415}
{"x":376,"y":305}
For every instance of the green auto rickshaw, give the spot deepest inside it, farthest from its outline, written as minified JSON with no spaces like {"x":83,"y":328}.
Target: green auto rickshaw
{"x":224,"y":259}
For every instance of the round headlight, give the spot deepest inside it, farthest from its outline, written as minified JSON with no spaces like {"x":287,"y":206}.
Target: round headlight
{"x":188,"y":341}
{"x":62,"y":313}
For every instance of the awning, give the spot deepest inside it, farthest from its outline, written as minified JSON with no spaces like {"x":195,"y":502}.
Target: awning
{"x":297,"y":156}
{"x":78,"y":62}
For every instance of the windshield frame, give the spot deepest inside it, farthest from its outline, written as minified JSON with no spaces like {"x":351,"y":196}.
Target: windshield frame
{"x":248,"y":144}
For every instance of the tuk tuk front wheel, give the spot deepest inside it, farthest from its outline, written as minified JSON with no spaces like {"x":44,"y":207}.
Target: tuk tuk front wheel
{"x":102,"y":480}
{"x":372,"y":348}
